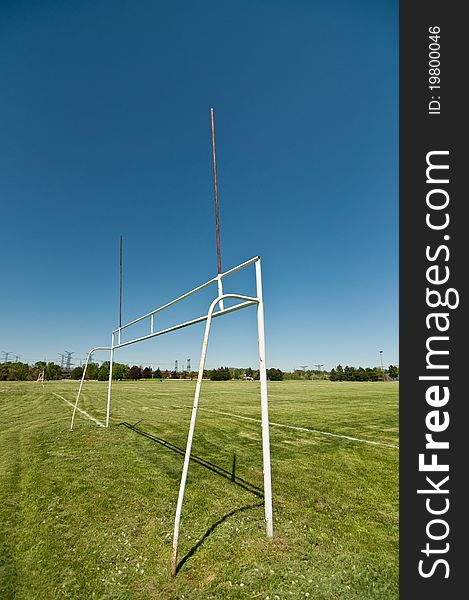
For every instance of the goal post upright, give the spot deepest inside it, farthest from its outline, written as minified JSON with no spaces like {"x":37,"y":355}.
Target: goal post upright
{"x":217,"y":217}
{"x":111,"y":356}
{"x":264,"y":405}
{"x":109,"y":386}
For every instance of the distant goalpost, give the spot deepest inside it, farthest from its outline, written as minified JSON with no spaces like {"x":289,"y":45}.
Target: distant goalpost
{"x":40,"y":377}
{"x":244,"y":301}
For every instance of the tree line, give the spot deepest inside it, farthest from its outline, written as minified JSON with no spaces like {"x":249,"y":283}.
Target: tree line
{"x":122,"y":371}
{"x":19,"y":371}
{"x":363,"y":374}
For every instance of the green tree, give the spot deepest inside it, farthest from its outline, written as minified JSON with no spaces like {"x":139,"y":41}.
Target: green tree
{"x":35,"y":369}
{"x":77,"y":373}
{"x":4,"y":372}
{"x":393,"y":372}
{"x":135,"y":372}
{"x":361,"y":374}
{"x":147,"y":373}
{"x":221,"y":374}
{"x":374,"y":374}
{"x":52,"y":371}
{"x":103,"y":371}
{"x":157,"y":374}
{"x":92,"y":371}
{"x":119,"y":371}
{"x":275,"y":375}
{"x":18,"y":371}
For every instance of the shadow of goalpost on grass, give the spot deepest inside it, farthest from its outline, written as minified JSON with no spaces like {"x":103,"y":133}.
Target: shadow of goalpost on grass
{"x":229,"y":475}
{"x":214,"y":468}
{"x":211,"y":529}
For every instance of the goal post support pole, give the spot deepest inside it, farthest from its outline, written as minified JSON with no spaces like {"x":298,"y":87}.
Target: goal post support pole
{"x":264,"y":406}
{"x":190,"y":436}
{"x":82,"y":381}
{"x":187,"y":457}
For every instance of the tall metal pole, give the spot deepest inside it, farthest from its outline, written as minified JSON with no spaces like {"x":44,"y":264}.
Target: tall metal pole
{"x":111,"y":357}
{"x":215,"y":186}
{"x":382,"y":368}
{"x":264,"y":406}
{"x":120,"y":283}
{"x":217,"y":218}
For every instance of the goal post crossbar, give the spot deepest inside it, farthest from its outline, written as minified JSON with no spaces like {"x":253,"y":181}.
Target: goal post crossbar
{"x":216,"y":279}
{"x":246,"y":301}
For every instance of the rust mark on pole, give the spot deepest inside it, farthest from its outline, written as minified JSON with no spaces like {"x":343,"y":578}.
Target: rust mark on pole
{"x":215,"y":186}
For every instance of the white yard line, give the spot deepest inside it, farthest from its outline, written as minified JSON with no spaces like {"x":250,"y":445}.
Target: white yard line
{"x":337,"y":435}
{"x":83,"y":412}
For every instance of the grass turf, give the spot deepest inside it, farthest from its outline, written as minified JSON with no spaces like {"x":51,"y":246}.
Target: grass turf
{"x":89,"y":514}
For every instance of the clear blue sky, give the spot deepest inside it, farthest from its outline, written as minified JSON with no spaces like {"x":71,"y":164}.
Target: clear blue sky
{"x":105,"y":129}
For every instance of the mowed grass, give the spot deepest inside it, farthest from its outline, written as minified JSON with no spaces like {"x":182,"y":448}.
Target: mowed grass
{"x":89,"y":514}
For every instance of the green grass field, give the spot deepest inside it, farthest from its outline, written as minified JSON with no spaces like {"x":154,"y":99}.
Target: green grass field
{"x":89,"y":514}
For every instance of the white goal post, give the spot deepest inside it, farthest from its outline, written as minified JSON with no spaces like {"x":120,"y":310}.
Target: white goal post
{"x":245,"y":301}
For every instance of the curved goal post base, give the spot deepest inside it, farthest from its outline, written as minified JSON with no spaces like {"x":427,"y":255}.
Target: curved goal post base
{"x":245,"y":301}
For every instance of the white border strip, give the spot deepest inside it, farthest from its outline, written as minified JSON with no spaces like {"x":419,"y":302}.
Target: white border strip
{"x":337,"y":435}
{"x":98,"y":423}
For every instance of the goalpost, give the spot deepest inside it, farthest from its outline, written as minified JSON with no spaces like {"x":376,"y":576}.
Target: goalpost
{"x":40,"y":378}
{"x":244,"y":301}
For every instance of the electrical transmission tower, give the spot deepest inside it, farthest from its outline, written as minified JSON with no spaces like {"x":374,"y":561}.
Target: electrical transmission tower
{"x":68,"y":360}
{"x":304,"y":367}
{"x":62,"y":358}
{"x":6,"y":355}
{"x":175,"y":366}
{"x":318,"y":367}
{"x":188,"y":365}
